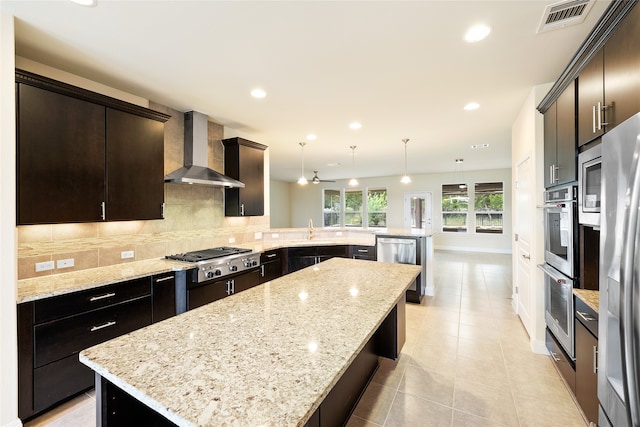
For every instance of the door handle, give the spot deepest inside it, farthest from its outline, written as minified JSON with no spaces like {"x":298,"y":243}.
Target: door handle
{"x":526,"y":256}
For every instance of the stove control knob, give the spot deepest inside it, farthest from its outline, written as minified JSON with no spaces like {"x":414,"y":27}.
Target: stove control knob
{"x":254,"y":263}
{"x":217,"y":272}
{"x":209,"y":274}
{"x":233,"y":268}
{"x":247,"y":263}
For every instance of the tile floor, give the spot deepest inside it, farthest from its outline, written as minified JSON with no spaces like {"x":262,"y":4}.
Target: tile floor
{"x":466,"y":362}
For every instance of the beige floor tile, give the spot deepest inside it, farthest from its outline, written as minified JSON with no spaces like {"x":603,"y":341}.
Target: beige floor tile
{"x":495,"y":404}
{"x":544,"y":413}
{"x":480,"y":349}
{"x":359,"y":422}
{"x":375,"y":403}
{"x":489,"y":373}
{"x":390,"y":372}
{"x":462,"y":419}
{"x":542,"y":387}
{"x":489,"y":335}
{"x":77,"y":412}
{"x":412,"y":411}
{"x":431,"y":385}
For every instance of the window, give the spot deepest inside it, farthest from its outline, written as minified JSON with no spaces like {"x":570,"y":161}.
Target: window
{"x":353,"y":208}
{"x":377,"y":207}
{"x":488,"y":206}
{"x":455,"y":205}
{"x":332,"y":207}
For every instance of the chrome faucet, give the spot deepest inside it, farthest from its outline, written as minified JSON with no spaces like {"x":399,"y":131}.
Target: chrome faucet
{"x":310,"y":235}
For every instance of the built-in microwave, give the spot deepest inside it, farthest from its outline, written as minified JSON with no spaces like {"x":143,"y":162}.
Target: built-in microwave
{"x":589,"y":185}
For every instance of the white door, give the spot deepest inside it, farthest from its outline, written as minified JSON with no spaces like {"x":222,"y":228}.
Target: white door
{"x":418,"y":210}
{"x":523,"y":292}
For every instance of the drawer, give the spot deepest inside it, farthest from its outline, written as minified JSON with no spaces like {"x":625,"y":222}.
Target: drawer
{"x":59,"y":380}
{"x":363,"y":252}
{"x":561,"y":360}
{"x":61,"y":338}
{"x":338,"y":250}
{"x":587,"y":316}
{"x":78,"y":302}
{"x":272,"y":255}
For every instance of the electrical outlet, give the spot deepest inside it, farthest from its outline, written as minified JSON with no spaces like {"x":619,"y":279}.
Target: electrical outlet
{"x":126,"y":254}
{"x":338,"y":233}
{"x":44,"y":266}
{"x":66,"y":263}
{"x":257,"y":235}
{"x":274,"y":235}
{"x":232,"y":239}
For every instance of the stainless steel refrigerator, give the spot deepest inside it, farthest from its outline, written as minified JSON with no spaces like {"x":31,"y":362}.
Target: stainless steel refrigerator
{"x":619,"y":327}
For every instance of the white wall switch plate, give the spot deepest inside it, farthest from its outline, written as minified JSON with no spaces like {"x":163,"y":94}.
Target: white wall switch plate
{"x":44,"y":266}
{"x":66,"y":263}
{"x":232,"y":239}
{"x":257,"y":235}
{"x":126,"y":254}
{"x":338,"y":233}
{"x":274,"y":235}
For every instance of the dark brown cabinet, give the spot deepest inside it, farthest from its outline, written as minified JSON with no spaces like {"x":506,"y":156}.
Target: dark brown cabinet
{"x":244,"y":161}
{"x":208,"y":292}
{"x":85,"y":157}
{"x":271,"y":265}
{"x":305,"y":256}
{"x":560,"y":359}
{"x":52,"y":331}
{"x":362,"y":252}
{"x":163,"y":291}
{"x":591,"y":100}
{"x":586,"y":360}
{"x":560,"y":155}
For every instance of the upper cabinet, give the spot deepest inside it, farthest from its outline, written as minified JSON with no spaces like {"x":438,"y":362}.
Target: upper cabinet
{"x":244,"y":161}
{"x":85,"y":157}
{"x":560,"y":139}
{"x":609,"y":85}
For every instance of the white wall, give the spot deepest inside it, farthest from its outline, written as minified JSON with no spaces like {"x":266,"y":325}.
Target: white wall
{"x":8,"y":236}
{"x":528,"y":141}
{"x":280,"y":212}
{"x":306,"y":202}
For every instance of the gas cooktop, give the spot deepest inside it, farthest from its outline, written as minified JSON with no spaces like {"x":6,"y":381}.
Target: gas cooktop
{"x":207,"y":254}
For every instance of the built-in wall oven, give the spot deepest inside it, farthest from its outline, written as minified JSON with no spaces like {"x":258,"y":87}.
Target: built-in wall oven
{"x":560,"y":234}
{"x":589,"y":184}
{"x":560,"y":243}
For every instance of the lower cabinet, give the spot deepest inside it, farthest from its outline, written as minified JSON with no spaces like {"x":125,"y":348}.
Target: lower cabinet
{"x":587,"y":360}
{"x":271,"y":265}
{"x":561,"y":360}
{"x":362,"y":252}
{"x":52,"y":331}
{"x":305,"y":256}
{"x":204,"y":293}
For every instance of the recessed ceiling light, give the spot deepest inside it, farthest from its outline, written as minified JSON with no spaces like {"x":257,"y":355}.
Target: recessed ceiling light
{"x":334,"y":164}
{"x":312,"y":137}
{"x":472,"y":106}
{"x":355,"y":125}
{"x":477,"y":33}
{"x":258,"y":93}
{"x":480,"y":146}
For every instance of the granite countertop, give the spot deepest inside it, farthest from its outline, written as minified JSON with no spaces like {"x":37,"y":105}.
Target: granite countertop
{"x":591,"y":298}
{"x":265,"y":356}
{"x":59,"y":284}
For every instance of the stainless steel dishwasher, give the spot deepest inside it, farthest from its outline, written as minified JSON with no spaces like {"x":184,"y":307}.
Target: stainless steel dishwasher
{"x":405,"y":250}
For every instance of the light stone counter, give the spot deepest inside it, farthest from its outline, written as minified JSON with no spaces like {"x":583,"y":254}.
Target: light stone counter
{"x":59,"y":284}
{"x":590,"y":297}
{"x":267,"y":356}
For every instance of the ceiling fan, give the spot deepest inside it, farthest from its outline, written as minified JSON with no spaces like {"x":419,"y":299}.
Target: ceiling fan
{"x":317,"y":180}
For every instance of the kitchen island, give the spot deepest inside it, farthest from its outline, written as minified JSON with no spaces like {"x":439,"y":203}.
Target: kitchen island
{"x":277,"y":354}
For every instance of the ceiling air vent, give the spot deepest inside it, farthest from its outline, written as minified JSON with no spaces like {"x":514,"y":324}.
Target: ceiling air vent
{"x":559,"y":15}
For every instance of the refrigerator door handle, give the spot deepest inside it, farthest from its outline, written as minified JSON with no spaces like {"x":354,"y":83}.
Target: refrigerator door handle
{"x":629,"y":331}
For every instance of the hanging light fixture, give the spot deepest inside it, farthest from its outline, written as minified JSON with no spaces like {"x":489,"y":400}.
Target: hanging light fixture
{"x":405,"y":179}
{"x":302,"y":180}
{"x":460,"y":178}
{"x":353,"y":181}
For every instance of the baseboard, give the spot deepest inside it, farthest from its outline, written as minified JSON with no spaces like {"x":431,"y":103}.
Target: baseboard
{"x":539,"y":347}
{"x":470,"y":249}
{"x":14,"y":423}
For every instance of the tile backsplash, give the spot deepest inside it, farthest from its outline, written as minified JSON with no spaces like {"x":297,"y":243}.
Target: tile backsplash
{"x":194,"y":219}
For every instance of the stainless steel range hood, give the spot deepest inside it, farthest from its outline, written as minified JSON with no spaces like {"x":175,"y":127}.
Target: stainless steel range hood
{"x":195,"y":169}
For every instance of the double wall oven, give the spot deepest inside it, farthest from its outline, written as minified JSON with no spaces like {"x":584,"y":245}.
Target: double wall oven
{"x":560,"y":238}
{"x":219,"y":272}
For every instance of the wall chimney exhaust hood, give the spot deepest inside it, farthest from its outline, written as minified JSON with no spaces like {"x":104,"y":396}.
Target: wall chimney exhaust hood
{"x":195,"y":169}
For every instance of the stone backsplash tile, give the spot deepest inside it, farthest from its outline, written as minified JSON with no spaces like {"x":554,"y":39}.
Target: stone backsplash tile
{"x":112,"y":255}
{"x":35,"y":233}
{"x":74,"y":231}
{"x":27,"y":266}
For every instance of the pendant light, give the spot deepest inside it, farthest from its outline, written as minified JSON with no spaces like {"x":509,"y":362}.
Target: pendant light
{"x":460,"y":178}
{"x":302,"y":180}
{"x":353,"y":181}
{"x":405,"y":179}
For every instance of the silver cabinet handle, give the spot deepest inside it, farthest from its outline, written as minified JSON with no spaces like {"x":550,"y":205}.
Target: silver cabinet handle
{"x":242,"y":209}
{"x":271,"y":255}
{"x":103,"y":210}
{"x":594,"y":119}
{"x":585,"y":316}
{"x":262,"y":270}
{"x":365,"y":251}
{"x":228,"y":283}
{"x":164,"y":279}
{"x":233,"y":286}
{"x":595,"y":359}
{"x":555,"y":358}
{"x":162,"y":211}
{"x":106,"y":325}
{"x":109,"y":295}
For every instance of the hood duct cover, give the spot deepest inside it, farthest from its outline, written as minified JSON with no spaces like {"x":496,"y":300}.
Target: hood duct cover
{"x":196,"y":170}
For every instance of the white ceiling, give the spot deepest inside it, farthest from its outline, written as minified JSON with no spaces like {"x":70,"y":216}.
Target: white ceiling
{"x":402,"y":69}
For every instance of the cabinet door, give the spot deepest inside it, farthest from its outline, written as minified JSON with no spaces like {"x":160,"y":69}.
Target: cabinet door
{"x":550,"y":154}
{"x":244,"y":161}
{"x":590,"y":93}
{"x":622,"y":70}
{"x":210,"y":292}
{"x":566,"y":136}
{"x":270,"y":270}
{"x":135,"y":167}
{"x":163,"y":294}
{"x":586,"y":374}
{"x":296,"y":263}
{"x":246,"y":281}
{"x":60,"y":158}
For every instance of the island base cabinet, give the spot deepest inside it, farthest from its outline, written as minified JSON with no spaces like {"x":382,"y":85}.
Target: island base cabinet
{"x":60,"y":380}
